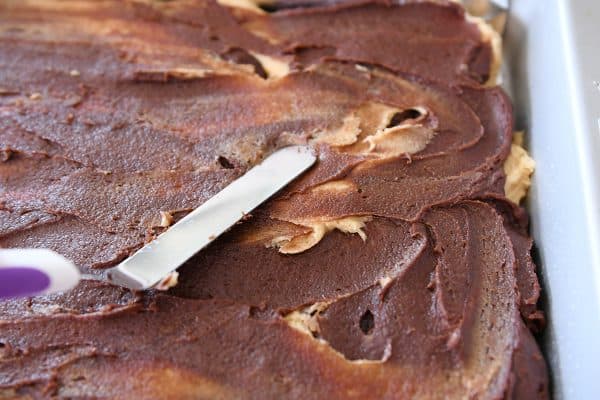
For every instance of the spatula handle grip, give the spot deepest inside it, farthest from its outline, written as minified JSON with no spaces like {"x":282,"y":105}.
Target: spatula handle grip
{"x":31,"y":272}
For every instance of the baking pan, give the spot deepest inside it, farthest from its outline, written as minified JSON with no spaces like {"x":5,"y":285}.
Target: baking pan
{"x":551,"y":50}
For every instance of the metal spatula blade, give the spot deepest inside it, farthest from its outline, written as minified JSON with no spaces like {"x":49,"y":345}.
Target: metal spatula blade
{"x":167,"y":252}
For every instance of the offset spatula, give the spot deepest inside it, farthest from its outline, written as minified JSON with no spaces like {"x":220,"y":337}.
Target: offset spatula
{"x":31,"y":272}
{"x":157,"y":259}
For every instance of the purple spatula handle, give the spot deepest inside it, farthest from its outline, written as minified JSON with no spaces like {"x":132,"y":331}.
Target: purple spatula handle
{"x":22,"y":281}
{"x":31,"y":272}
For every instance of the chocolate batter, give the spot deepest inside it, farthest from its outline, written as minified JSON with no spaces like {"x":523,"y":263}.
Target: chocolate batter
{"x":420,"y":283}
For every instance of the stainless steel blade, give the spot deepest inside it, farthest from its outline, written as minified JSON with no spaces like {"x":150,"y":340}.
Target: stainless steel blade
{"x":168,"y":251}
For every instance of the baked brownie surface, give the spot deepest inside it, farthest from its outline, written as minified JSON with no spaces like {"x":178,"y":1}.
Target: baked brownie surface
{"x":395,"y":268}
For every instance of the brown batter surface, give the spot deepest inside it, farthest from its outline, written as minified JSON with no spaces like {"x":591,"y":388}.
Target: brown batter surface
{"x":395,"y":268}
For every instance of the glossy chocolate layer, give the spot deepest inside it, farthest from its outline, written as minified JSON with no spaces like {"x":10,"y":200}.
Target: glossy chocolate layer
{"x":115,"y":113}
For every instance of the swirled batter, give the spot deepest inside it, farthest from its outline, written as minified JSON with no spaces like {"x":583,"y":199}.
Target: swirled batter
{"x":395,"y":268}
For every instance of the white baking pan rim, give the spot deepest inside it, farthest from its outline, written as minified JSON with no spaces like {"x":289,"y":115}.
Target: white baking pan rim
{"x":553,"y":60}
